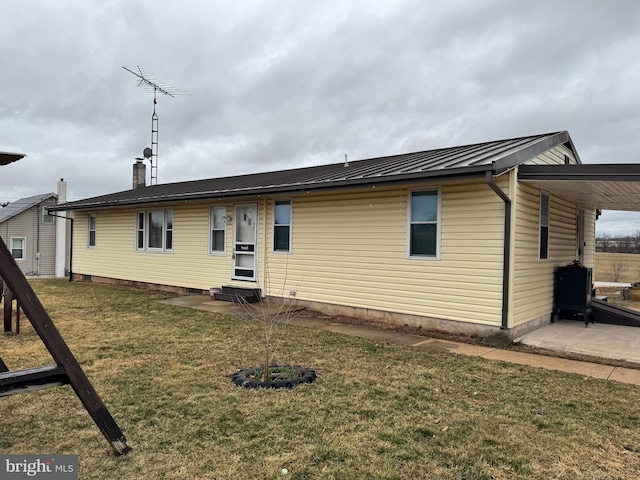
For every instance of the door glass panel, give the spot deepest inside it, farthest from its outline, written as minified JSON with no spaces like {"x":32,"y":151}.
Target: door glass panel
{"x":244,"y":257}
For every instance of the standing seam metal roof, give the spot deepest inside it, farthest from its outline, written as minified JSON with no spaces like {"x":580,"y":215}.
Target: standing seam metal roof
{"x":496,"y":156}
{"x":22,"y":204}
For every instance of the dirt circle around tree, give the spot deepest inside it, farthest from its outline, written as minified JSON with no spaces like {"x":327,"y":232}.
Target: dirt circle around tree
{"x":281,"y":376}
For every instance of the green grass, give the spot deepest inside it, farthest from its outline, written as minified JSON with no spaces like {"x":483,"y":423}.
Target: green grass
{"x":376,"y":411}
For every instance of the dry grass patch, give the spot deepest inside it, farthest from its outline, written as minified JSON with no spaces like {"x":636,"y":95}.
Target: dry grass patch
{"x":376,"y":411}
{"x":617,"y":267}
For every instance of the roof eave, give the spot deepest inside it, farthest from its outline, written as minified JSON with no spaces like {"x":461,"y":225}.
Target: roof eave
{"x":464,"y":172}
{"x":8,"y":157}
{"x":626,"y":172}
{"x":536,"y":148}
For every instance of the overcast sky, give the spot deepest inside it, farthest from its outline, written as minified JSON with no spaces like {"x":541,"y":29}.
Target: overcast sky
{"x":281,"y":84}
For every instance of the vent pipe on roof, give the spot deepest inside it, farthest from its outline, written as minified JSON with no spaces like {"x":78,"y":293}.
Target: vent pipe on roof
{"x":139,"y":174}
{"x":346,"y":161}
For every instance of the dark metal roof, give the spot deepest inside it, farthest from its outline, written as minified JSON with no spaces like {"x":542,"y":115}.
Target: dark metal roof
{"x":468,"y":160}
{"x":19,"y":206}
{"x":6,"y":157}
{"x":605,"y":187}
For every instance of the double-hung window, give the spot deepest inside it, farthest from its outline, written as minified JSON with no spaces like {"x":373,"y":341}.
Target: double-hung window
{"x":218,"y":230}
{"x":91,"y":231}
{"x":282,"y":226}
{"x":424,"y":221}
{"x":18,"y":248}
{"x":544,"y":226}
{"x":154,"y":230}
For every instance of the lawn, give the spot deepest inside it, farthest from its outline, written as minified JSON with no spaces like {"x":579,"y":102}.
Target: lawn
{"x":376,"y":411}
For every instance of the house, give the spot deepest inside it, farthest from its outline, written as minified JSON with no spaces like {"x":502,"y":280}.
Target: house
{"x":462,"y":239}
{"x":34,"y":236}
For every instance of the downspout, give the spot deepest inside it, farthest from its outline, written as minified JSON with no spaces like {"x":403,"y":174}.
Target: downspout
{"x":506,"y":248}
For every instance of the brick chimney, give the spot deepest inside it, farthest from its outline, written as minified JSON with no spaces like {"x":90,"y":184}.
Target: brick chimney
{"x":139,"y":174}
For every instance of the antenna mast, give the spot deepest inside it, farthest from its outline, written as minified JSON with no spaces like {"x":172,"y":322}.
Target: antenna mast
{"x":144,"y":81}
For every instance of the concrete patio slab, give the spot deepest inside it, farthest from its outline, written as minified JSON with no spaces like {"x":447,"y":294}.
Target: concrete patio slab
{"x":599,"y":340}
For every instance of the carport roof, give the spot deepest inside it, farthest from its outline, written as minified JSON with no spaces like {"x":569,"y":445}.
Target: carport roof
{"x":602,"y":186}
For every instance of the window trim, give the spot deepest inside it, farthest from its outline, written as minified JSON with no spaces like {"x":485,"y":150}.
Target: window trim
{"x":145,"y":231}
{"x":222,"y":252}
{"x":274,"y":226}
{"x":89,"y":230}
{"x":438,"y":223}
{"x":24,"y":248}
{"x":541,"y":226}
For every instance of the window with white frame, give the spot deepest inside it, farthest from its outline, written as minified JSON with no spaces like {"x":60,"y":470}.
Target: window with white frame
{"x":18,"y":248}
{"x":154,"y":230}
{"x":218,"y":229}
{"x":282,"y":226}
{"x":46,"y":218}
{"x":91,"y":231}
{"x":544,"y":226}
{"x":423,"y":224}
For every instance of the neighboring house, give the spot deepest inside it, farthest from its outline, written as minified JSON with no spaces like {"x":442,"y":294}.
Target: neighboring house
{"x":31,"y":234}
{"x":463,"y":239}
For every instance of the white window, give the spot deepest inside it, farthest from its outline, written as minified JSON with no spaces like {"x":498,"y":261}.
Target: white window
{"x":282,"y":226}
{"x":544,"y":226}
{"x":154,"y":230}
{"x":46,"y":218}
{"x":218,"y":229}
{"x":91,"y":231}
{"x":424,"y":221}
{"x":18,"y":248}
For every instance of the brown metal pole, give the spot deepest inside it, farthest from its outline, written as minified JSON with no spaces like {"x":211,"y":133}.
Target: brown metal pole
{"x":17,"y":316}
{"x":59,"y":350}
{"x":8,"y":309}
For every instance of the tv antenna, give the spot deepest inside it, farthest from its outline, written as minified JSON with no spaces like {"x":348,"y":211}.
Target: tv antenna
{"x":157,"y":86}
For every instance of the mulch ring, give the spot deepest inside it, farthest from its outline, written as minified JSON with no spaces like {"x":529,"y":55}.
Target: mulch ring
{"x":281,"y":376}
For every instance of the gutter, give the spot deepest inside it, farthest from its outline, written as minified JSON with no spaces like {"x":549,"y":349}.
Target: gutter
{"x":506,"y":247}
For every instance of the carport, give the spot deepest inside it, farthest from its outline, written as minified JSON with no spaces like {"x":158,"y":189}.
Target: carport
{"x":599,"y":187}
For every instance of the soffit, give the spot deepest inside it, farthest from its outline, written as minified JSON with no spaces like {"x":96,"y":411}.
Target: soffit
{"x":604,"y":187}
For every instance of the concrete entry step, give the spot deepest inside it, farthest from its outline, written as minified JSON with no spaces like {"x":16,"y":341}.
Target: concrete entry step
{"x":238,"y":294}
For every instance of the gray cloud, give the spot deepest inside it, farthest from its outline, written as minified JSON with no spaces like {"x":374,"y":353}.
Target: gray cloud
{"x":284,"y":84}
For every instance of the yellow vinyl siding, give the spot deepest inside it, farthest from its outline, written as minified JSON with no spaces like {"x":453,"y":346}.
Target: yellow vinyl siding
{"x":590,"y":238}
{"x":188,"y":265}
{"x":347,"y":248}
{"x":553,"y":156}
{"x":351,"y":249}
{"x":533,"y":278}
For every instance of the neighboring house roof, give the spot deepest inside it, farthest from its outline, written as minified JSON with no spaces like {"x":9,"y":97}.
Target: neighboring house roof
{"x":19,"y":206}
{"x":469,"y":160}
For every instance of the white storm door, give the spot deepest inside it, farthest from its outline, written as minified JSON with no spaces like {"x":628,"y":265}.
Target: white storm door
{"x":245,"y":227}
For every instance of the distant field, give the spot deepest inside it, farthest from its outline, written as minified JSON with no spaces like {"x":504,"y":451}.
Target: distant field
{"x":620,"y":267}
